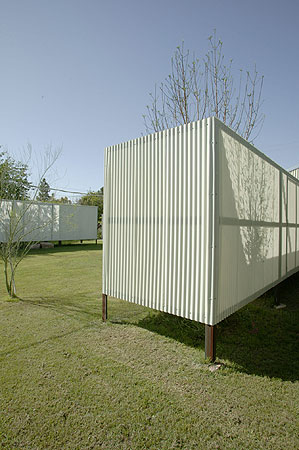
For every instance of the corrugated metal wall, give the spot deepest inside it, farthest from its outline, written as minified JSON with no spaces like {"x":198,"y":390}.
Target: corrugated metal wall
{"x":197,"y":222}
{"x":295,"y":172}
{"x":40,"y":221}
{"x":159,"y":221}
{"x":258,"y":232}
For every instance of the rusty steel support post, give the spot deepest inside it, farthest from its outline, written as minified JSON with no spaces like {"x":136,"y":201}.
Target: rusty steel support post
{"x":104,"y":308}
{"x":276,"y":295}
{"x":210,"y":342}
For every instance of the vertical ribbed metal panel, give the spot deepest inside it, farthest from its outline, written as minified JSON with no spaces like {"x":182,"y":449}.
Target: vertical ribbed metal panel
{"x":159,"y":221}
{"x":258,"y":223}
{"x":197,"y":222}
{"x":295,"y":172}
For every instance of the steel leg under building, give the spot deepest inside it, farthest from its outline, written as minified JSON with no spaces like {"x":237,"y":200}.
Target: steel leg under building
{"x":104,"y":307}
{"x":210,"y":342}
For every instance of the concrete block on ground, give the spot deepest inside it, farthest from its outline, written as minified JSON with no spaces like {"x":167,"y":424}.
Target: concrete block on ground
{"x":47,"y":245}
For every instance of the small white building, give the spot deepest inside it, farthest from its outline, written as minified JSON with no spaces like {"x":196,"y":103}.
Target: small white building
{"x":39,"y":221}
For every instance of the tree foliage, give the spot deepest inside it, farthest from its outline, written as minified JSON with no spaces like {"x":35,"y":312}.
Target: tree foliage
{"x":63,"y":200}
{"x":14,"y":182}
{"x":196,"y":89}
{"x":94,"y":198}
{"x":43,"y":193}
{"x":17,"y":222}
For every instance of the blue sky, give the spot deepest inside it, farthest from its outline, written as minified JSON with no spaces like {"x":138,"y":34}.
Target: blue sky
{"x":77,"y":73}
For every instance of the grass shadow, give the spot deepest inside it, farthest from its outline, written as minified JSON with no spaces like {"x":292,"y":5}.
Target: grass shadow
{"x":77,"y":306}
{"x":65,"y":249}
{"x":42,"y":341}
{"x":258,"y":339}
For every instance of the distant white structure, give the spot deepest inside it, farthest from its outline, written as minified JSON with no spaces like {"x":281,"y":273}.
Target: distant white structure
{"x":39,"y":221}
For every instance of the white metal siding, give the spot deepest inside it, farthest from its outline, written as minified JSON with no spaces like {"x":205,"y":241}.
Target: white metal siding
{"x":258,"y":223}
{"x":197,"y":222}
{"x":48,"y":222}
{"x":295,"y":172}
{"x":159,"y":221}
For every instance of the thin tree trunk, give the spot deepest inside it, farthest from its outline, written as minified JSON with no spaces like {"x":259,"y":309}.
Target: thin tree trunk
{"x":6,"y":278}
{"x":13,"y":291}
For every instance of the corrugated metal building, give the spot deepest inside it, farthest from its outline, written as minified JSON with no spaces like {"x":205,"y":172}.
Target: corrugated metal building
{"x":39,"y":221}
{"x":295,"y":172}
{"x":197,"y":222}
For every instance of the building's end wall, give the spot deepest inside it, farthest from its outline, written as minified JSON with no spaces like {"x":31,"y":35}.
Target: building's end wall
{"x":157,"y":221}
{"x":258,"y":223}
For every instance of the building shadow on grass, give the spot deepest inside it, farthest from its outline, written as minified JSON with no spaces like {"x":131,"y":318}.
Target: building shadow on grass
{"x":16,"y":349}
{"x":76,"y":307}
{"x":258,"y":339}
{"x":80,"y":313}
{"x":66,"y":248}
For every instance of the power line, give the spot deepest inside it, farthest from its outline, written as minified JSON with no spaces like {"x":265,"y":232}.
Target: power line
{"x":71,"y":192}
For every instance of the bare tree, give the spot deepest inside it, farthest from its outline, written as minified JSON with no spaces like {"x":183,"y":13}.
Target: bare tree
{"x":197,"y":89}
{"x":18,"y":217}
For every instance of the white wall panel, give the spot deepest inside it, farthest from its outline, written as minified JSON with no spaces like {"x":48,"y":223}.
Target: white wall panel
{"x":283,"y":251}
{"x":269,"y":262}
{"x":291,"y":248}
{"x":295,"y":172}
{"x":284,"y":196}
{"x":255,"y":195}
{"x":38,"y":221}
{"x":158,"y":221}
{"x":229,"y":273}
{"x":292,"y":201}
{"x":5,"y":208}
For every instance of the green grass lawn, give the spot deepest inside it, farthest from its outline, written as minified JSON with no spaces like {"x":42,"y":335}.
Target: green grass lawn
{"x":139,"y":381}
